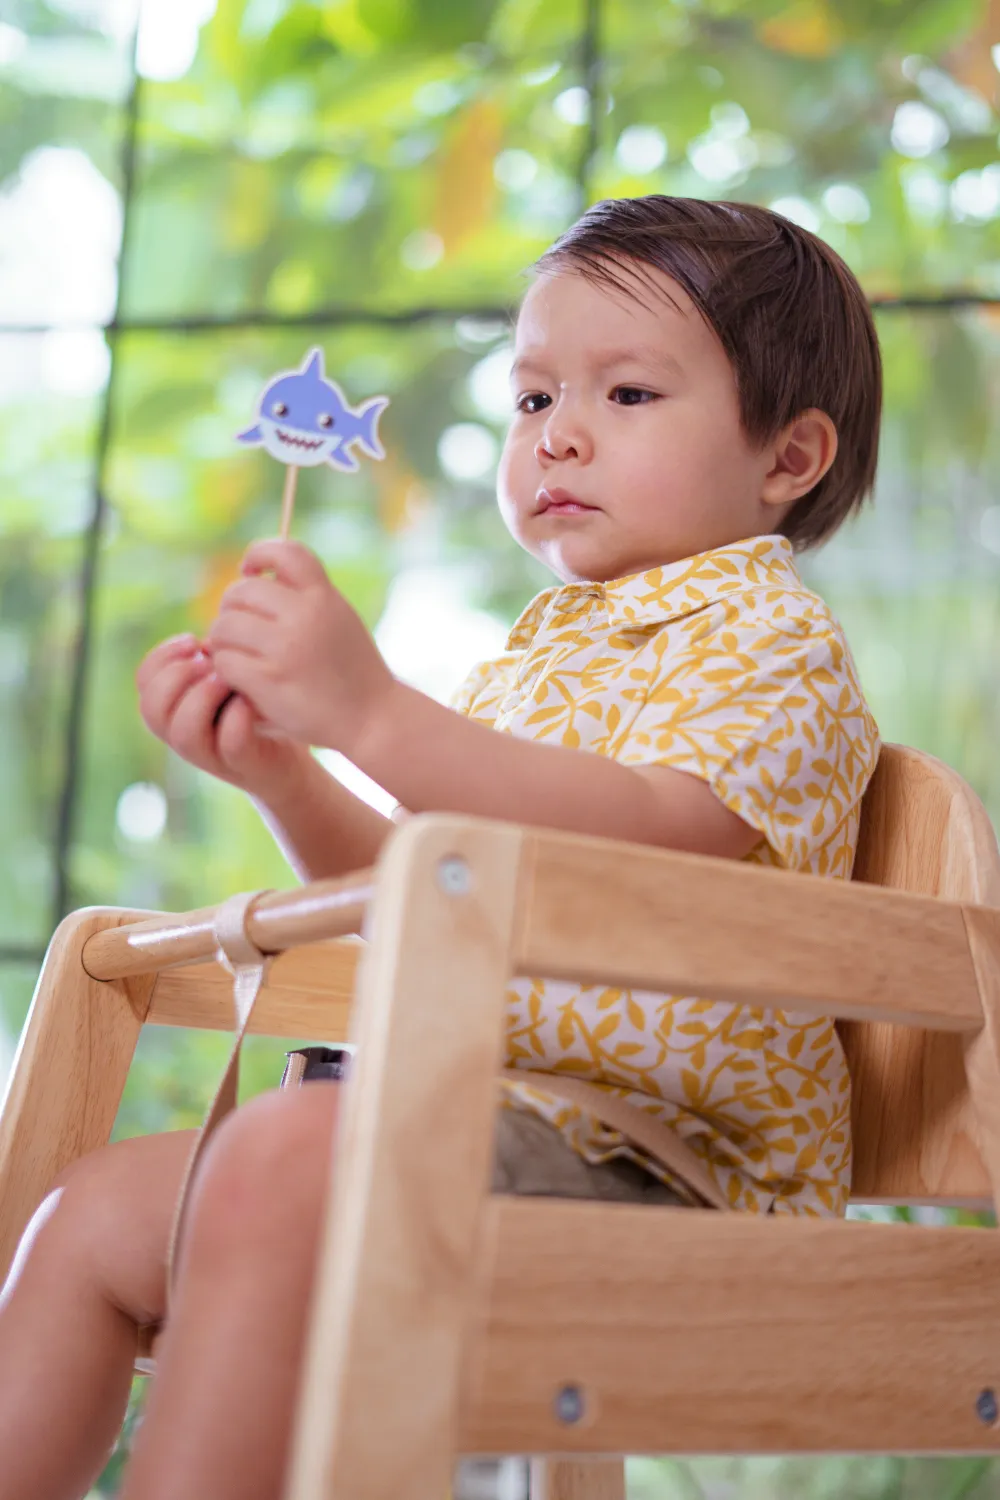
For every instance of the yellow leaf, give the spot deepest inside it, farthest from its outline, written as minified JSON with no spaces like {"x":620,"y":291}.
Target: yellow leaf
{"x":466,"y":186}
{"x":221,"y":569}
{"x":691,"y":1084}
{"x":402,"y":498}
{"x":606,"y":1027}
{"x":805,"y":29}
{"x":636,"y":1014}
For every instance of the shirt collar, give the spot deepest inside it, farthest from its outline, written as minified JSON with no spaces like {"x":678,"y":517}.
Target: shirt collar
{"x":667,"y":593}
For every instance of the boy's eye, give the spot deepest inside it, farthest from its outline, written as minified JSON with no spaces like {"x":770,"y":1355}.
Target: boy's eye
{"x":632,"y":395}
{"x":533,"y":401}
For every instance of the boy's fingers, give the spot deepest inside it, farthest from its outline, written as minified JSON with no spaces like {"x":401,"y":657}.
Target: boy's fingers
{"x":293,"y":565}
{"x":192,"y":732}
{"x":239,"y":630}
{"x":176,"y":647}
{"x":259,"y":596}
{"x":160,"y":697}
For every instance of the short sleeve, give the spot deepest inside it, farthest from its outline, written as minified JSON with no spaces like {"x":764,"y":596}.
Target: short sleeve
{"x":761,"y":700}
{"x":480,"y":695}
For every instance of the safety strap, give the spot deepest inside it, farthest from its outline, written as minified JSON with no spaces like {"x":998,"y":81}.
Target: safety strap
{"x":249,"y":967}
{"x":657,"y":1140}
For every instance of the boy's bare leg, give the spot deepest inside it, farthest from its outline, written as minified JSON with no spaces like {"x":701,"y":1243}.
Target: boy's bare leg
{"x":90,"y":1268}
{"x":220,"y":1411}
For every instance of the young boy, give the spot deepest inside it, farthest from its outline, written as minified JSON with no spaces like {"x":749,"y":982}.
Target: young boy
{"x":697,"y":394}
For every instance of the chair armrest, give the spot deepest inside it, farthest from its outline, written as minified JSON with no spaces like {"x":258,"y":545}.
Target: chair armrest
{"x":598,"y":910}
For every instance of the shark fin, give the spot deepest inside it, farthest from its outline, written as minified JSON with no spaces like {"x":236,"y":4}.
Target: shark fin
{"x":342,"y":458}
{"x":313,"y":364}
{"x":252,"y":435}
{"x":367,"y":420}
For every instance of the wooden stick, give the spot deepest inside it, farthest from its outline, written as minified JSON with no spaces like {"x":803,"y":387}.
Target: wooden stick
{"x":325,"y":909}
{"x":288,"y":500}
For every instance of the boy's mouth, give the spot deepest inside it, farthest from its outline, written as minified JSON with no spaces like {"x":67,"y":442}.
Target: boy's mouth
{"x":560,"y":502}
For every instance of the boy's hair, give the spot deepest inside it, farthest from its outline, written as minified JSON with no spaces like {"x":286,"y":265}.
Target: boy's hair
{"x":791,"y":317}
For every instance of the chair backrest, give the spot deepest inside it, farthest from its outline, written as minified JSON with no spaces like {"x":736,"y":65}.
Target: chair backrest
{"x":915,"y":1139}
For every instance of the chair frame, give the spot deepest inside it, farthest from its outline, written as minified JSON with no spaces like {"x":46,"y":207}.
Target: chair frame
{"x":448,"y":1320}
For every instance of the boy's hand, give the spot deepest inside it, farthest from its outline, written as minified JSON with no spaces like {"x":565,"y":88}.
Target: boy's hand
{"x":296,"y":649}
{"x":179,"y":696}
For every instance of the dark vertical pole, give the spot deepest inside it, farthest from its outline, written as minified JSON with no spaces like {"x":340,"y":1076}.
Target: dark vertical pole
{"x":590,"y":68}
{"x":61,"y":896}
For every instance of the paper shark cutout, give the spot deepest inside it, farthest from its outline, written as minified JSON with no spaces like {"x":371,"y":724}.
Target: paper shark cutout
{"x":304,"y":420}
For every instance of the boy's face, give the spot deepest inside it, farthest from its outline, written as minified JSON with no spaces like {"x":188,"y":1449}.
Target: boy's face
{"x":629,"y":409}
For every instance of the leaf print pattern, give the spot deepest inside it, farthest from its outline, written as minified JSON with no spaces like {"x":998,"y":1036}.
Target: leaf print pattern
{"x":727,"y":667}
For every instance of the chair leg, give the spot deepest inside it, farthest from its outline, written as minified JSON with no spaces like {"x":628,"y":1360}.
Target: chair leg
{"x":577,"y":1479}
{"x":69,"y":1072}
{"x":397,"y":1279}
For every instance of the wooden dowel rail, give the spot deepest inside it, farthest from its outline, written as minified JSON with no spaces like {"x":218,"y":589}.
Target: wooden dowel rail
{"x":279,"y":920}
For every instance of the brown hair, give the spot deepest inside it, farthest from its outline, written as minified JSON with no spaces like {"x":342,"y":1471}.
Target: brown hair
{"x":790,"y":315}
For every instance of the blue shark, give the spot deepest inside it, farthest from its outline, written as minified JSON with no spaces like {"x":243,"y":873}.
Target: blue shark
{"x":304,"y":420}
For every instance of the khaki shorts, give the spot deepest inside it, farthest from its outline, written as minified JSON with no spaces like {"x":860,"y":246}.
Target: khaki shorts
{"x":531,"y":1158}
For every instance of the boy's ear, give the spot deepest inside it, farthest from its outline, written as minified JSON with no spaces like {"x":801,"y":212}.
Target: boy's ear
{"x":802,"y":453}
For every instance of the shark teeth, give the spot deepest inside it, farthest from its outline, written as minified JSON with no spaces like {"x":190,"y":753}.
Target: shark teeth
{"x":309,"y":444}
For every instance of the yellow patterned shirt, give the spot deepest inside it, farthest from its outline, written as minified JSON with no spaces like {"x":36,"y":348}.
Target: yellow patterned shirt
{"x":725,"y":666}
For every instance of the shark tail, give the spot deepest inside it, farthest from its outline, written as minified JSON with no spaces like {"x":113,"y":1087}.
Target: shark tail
{"x":367,"y":419}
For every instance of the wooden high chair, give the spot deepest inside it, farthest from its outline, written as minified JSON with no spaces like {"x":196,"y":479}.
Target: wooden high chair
{"x":451,"y":1321}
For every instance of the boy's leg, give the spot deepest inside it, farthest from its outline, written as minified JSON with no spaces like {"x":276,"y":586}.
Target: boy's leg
{"x":220,"y":1411}
{"x":90,"y":1268}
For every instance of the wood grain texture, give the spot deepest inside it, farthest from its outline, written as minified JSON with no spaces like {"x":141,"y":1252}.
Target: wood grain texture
{"x":378,"y":1412}
{"x":279,"y":920}
{"x":687,"y":1332}
{"x":67,"y":1079}
{"x":564,"y":1479}
{"x":308,"y":993}
{"x":982,"y":1052}
{"x":687,"y":924}
{"x":915,"y":1132}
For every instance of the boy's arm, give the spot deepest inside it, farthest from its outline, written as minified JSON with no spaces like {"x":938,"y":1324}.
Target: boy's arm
{"x":320,"y":827}
{"x":305,"y":660}
{"x":434,"y":759}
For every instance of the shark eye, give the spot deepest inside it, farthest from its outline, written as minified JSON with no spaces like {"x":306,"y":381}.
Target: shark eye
{"x":324,"y":419}
{"x":280,"y":409}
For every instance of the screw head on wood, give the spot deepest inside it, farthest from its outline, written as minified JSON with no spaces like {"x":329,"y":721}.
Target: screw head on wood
{"x":454,"y":876}
{"x":986,"y":1407}
{"x":569,"y":1405}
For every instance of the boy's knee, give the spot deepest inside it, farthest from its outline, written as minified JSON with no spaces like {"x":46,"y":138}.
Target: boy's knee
{"x":274,"y":1149}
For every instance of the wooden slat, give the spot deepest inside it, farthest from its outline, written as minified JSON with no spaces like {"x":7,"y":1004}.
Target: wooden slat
{"x":589,"y":1479}
{"x":308,"y":994}
{"x":67,"y":1078}
{"x":278,"y":920}
{"x":687,"y":1333}
{"x":982,"y":1051}
{"x":915,"y":1133}
{"x":617,"y":913}
{"x":377,"y":1416}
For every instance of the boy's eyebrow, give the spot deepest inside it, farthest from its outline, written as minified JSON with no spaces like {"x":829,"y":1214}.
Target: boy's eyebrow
{"x":646,"y":354}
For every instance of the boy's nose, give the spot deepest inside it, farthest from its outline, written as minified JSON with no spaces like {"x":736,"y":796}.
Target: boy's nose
{"x":561,"y":439}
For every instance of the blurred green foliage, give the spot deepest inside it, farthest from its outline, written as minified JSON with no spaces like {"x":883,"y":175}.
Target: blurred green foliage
{"x":376,"y":176}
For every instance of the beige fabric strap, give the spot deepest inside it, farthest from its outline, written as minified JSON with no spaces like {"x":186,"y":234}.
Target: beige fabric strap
{"x":249,"y":967}
{"x":657,"y":1140}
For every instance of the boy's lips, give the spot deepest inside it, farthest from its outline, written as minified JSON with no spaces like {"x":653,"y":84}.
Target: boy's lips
{"x":560,"y":502}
